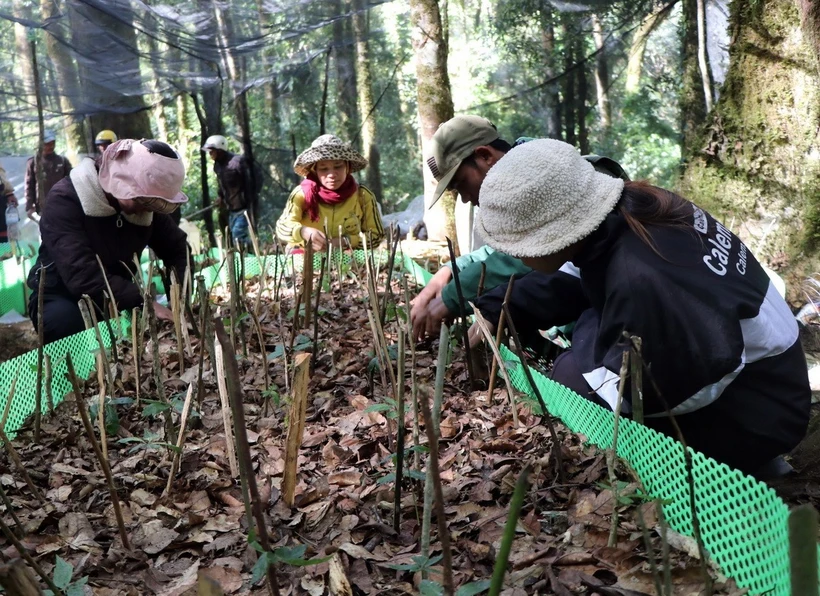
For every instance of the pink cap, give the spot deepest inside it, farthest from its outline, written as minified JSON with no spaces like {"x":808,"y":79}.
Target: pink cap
{"x":130,"y":171}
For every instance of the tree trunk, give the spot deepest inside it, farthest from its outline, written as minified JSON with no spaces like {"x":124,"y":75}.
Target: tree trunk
{"x":568,"y":82}
{"x":435,"y":105}
{"x":638,"y":46}
{"x":703,"y":61}
{"x":66,"y":74}
{"x":552,"y":103}
{"x":344,"y":48}
{"x":692,"y":101}
{"x":581,"y":99}
{"x":365,"y":87}
{"x":128,"y":116}
{"x":601,"y":75}
{"x":756,"y":160}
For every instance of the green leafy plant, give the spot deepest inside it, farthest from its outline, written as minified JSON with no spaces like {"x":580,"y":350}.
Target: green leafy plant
{"x":110,"y":415}
{"x":148,"y":441}
{"x":288,"y":555}
{"x":274,"y":396}
{"x":63,"y":571}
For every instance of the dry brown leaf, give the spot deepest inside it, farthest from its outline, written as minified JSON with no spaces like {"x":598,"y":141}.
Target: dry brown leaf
{"x":338,"y":583}
{"x":230,"y":580}
{"x":345,"y":478}
{"x":183,"y":583}
{"x":153,"y":537}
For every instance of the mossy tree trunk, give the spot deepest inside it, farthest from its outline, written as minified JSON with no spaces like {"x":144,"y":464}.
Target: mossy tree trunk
{"x":692,"y":100}
{"x":757,"y":162}
{"x":435,"y":104}
{"x":344,"y":57}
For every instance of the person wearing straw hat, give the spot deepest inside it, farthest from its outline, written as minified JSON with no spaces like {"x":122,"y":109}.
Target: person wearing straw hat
{"x":108,"y":209}
{"x":329,"y":204}
{"x":720,"y":346}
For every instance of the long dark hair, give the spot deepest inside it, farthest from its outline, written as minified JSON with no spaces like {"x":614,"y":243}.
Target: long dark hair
{"x":643,"y":204}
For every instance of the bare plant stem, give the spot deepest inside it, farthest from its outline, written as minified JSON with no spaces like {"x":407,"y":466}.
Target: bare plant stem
{"x":388,"y":290}
{"x":157,"y":365}
{"x":431,"y":428}
{"x":315,"y":354}
{"x":15,"y":457}
{"x":38,"y":404}
{"x":81,"y":407}
{"x":28,"y":559}
{"x":203,"y":338}
{"x":219,"y":366}
{"x":177,"y":312}
{"x":481,"y":280}
{"x":114,"y":311}
{"x":399,"y":433}
{"x":517,"y":501}
{"x":636,"y":376}
{"x":183,"y":421}
{"x":413,"y":388}
{"x":10,"y":508}
{"x":462,"y":313}
{"x":307,"y":282}
{"x":234,"y":297}
{"x":650,"y":552}
{"x":441,"y":369}
{"x":559,"y":458}
{"x":497,"y":361}
{"x":612,"y":452}
{"x":243,"y":448}
{"x":499,"y":335}
{"x":49,"y":379}
{"x":136,"y":346}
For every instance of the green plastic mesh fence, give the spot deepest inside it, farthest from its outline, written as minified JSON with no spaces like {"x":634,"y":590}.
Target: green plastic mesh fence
{"x":744,"y":524}
{"x":82,"y":347}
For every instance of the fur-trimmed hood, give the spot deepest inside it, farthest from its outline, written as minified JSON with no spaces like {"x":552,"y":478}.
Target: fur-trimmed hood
{"x":92,"y":198}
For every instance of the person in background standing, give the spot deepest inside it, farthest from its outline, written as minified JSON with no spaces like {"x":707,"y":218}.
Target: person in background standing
{"x":55,"y":168}
{"x":234,"y":192}
{"x":6,"y":198}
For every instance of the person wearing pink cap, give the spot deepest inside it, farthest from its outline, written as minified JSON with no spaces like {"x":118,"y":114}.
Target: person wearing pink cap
{"x":111,"y":208}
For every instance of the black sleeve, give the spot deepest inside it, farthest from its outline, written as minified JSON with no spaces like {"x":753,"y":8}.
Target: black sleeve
{"x":538,"y":301}
{"x":170,"y":243}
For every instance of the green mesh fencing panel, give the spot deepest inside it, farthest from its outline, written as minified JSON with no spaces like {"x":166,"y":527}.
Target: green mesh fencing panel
{"x":82,"y":347}
{"x":13,"y":291}
{"x":5,"y":249}
{"x":744,"y":524}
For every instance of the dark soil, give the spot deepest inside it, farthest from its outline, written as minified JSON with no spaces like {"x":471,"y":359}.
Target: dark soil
{"x":16,"y":339}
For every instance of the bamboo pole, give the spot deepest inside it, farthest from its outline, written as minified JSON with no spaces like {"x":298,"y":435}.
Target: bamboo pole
{"x":296,"y":425}
{"x":244,"y":452}
{"x":399,"y":433}
{"x":307,"y":282}
{"x":38,"y":404}
{"x":500,"y":568}
{"x":175,"y":308}
{"x":226,"y":409}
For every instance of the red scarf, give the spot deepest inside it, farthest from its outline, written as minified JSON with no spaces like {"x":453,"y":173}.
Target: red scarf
{"x":315,"y":193}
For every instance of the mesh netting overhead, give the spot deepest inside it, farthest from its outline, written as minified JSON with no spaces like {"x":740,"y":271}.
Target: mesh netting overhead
{"x":124,"y":55}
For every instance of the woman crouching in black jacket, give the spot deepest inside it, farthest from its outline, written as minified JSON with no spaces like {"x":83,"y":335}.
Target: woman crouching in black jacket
{"x":111,"y":210}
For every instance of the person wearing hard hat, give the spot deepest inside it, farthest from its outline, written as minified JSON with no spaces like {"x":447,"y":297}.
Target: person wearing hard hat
{"x":104,"y":139}
{"x":107,"y":209}
{"x":55,"y":168}
{"x":234,"y":191}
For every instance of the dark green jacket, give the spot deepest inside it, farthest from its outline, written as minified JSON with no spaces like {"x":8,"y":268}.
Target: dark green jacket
{"x":499,"y":266}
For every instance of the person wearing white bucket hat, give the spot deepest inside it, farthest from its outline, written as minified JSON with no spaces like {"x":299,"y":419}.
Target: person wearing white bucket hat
{"x":719,"y":343}
{"x":110,"y":209}
{"x":329,"y":204}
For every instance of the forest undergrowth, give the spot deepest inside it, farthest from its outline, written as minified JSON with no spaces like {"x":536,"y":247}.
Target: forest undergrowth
{"x":189,"y":513}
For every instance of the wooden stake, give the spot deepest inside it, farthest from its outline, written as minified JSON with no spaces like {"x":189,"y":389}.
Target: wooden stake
{"x":500,"y":568}
{"x":10,"y":509}
{"x":114,"y":311}
{"x":18,"y":463}
{"x":636,"y":376}
{"x":183,"y":421}
{"x":18,"y":580}
{"x":81,"y":407}
{"x":296,"y":425}
{"x":315,"y":354}
{"x":226,"y":408}
{"x":243,"y":450}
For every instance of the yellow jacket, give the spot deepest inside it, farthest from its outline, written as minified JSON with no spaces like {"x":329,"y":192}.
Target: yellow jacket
{"x":358,"y":213}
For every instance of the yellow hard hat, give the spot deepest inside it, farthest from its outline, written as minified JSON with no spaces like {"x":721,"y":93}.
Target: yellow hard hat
{"x":106,"y":137}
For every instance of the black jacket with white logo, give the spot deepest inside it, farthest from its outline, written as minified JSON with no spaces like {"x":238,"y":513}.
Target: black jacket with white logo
{"x":713,"y":326}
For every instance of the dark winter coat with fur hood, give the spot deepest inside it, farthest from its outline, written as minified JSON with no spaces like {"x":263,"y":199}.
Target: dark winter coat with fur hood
{"x":79,"y":224}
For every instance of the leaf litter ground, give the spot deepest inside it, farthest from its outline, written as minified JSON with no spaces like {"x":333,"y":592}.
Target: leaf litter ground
{"x":346,"y":472}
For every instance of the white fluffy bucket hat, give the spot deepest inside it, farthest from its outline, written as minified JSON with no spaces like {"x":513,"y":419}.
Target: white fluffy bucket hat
{"x":543,"y":196}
